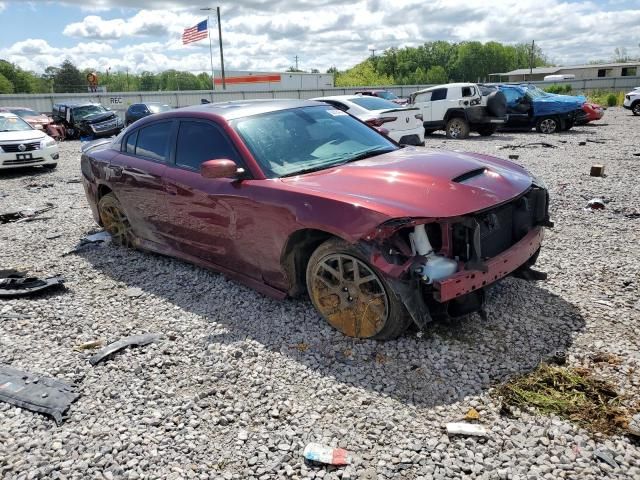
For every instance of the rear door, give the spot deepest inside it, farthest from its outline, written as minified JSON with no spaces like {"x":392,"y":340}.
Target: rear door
{"x":210,"y":218}
{"x":136,"y":178}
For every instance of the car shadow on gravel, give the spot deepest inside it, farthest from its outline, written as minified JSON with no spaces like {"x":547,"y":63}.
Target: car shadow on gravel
{"x":525,"y":324}
{"x":13,"y":173}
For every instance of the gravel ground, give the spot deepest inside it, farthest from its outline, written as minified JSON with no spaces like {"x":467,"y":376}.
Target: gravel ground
{"x":243,"y":382}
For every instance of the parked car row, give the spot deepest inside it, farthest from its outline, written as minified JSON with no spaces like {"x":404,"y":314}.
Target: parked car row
{"x":21,"y":144}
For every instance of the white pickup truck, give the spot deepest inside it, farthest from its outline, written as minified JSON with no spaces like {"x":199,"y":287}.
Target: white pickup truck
{"x":457,"y":108}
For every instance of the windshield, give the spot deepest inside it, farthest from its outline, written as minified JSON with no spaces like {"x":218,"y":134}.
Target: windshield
{"x":300,"y":140}
{"x":386,"y":95}
{"x":25,"y":112}
{"x":535,"y":92}
{"x":157,"y":107}
{"x":373,"y":103}
{"x":13,"y":124}
{"x":86,"y":110}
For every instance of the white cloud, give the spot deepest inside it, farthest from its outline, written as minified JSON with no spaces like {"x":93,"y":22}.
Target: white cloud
{"x":268,"y":34}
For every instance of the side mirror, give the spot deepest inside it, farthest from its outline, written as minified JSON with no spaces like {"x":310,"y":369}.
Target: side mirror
{"x":220,"y":168}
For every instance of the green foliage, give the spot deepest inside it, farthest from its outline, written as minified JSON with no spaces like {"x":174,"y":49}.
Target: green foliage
{"x":436,"y":75}
{"x":465,"y":61}
{"x":601,"y":97}
{"x":20,"y":80}
{"x":69,"y":79}
{"x":5,"y":85}
{"x":612,"y":100}
{"x":363,"y":74}
{"x":558,"y":88}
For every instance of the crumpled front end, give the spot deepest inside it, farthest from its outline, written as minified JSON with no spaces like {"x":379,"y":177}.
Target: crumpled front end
{"x":440,"y":267}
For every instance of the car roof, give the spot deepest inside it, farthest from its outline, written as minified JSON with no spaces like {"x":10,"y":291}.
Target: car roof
{"x":446,"y":85}
{"x":243,"y":108}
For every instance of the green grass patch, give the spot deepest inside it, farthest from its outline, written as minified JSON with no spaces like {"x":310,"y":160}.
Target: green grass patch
{"x":570,"y":393}
{"x":606,"y":98}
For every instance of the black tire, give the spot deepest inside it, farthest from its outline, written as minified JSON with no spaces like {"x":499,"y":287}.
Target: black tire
{"x":359,"y":316}
{"x":635,"y":107}
{"x":487,"y":130}
{"x":548,"y":125}
{"x":457,"y":128}
{"x":497,"y":104}
{"x":50,"y":166}
{"x":115,"y":221}
{"x":567,"y":124}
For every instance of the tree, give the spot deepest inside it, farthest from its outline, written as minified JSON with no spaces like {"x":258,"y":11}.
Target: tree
{"x":68,"y":79}
{"x":148,"y":82}
{"x":436,"y":75}
{"x":362,"y":74}
{"x":5,"y":85}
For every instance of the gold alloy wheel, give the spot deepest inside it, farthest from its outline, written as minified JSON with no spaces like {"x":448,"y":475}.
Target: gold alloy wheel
{"x":350,"y":295}
{"x":115,"y":222}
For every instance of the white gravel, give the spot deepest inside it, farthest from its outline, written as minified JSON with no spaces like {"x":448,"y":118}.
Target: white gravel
{"x":243,"y":382}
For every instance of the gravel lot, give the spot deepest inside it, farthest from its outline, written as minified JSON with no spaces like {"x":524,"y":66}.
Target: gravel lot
{"x":243,"y":382}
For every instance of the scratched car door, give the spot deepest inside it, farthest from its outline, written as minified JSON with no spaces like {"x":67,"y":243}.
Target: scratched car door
{"x":209,"y":216}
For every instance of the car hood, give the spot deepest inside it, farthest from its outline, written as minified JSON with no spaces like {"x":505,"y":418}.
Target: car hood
{"x":416,"y":183}
{"x":98,"y":117}
{"x":22,"y":136}
{"x":37,"y":119}
{"x":552,"y":104}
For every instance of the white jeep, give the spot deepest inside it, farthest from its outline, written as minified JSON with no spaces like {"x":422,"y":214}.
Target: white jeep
{"x":457,"y":108}
{"x":632,"y":101}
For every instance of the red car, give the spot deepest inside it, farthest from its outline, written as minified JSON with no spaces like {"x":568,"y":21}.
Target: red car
{"x":33,"y":118}
{"x":590,"y":113}
{"x":290,"y":196}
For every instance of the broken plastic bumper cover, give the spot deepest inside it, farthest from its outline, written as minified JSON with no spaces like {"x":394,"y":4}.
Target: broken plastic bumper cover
{"x":498,"y":267}
{"x":36,"y":393}
{"x":15,"y":286}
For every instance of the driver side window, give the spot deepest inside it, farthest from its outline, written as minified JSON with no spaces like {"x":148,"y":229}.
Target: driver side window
{"x":199,"y":142}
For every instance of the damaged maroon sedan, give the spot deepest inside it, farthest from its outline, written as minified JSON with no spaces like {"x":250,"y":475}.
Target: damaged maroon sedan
{"x":293,"y":196}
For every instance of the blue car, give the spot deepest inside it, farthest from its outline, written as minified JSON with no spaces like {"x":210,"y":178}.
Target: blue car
{"x":528,"y":107}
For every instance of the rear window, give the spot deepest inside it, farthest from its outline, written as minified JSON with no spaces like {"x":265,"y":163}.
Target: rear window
{"x":468,"y":91}
{"x":153,"y":141}
{"x":373,"y":103}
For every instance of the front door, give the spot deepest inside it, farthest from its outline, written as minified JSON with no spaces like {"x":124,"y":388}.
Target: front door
{"x":210,"y":218}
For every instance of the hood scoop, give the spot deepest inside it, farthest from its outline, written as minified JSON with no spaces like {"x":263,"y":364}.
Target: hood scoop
{"x":469,"y":175}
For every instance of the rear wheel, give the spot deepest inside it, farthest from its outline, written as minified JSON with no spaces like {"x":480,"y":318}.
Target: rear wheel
{"x":487,"y":130}
{"x":547,"y":125}
{"x":635,"y":108}
{"x":115,"y":221}
{"x":351,"y":295}
{"x":457,"y":128}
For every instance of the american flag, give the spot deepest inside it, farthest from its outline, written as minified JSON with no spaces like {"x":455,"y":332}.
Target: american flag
{"x":194,"y":34}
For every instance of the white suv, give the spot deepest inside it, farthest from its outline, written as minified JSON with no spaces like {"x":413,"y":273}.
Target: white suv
{"x":457,"y":108}
{"x":632,"y":101}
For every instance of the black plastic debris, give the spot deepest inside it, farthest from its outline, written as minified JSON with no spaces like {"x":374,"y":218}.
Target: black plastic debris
{"x":593,"y":140}
{"x":90,"y":241}
{"x":18,"y":285}
{"x":25,"y":215}
{"x":36,"y":393}
{"x":527,"y":145}
{"x":132,"y":341}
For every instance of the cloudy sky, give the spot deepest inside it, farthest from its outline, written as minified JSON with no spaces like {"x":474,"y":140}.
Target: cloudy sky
{"x":266,"y":35}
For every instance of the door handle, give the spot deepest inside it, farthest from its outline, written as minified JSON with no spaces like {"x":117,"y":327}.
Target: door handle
{"x":170,"y":189}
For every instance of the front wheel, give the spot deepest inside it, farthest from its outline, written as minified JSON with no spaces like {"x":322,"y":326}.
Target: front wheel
{"x":351,"y":295}
{"x":547,"y":125}
{"x":115,"y":221}
{"x":457,"y":128}
{"x":635,"y":108}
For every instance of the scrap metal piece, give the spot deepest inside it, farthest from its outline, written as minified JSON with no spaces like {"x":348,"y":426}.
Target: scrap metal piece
{"x":102,"y":237}
{"x":606,"y":456}
{"x":36,"y":393}
{"x":13,"y":286}
{"x":133,"y":340}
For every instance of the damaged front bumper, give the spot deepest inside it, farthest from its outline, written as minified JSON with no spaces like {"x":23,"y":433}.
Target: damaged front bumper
{"x":480,"y":249}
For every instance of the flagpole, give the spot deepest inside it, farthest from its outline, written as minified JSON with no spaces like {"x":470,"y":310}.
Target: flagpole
{"x":213,"y":81}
